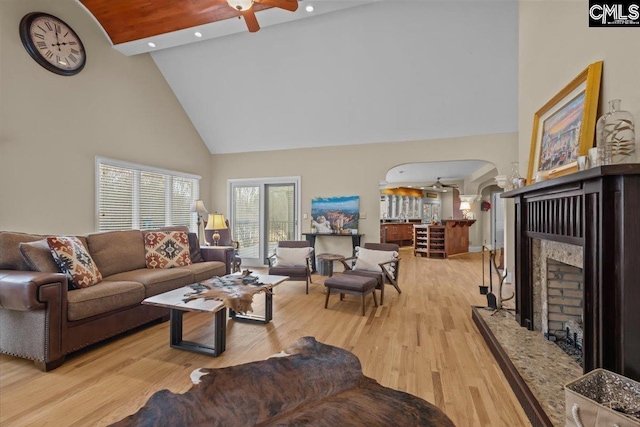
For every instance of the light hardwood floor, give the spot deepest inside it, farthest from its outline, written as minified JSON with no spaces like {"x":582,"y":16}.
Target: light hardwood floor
{"x":422,"y":341}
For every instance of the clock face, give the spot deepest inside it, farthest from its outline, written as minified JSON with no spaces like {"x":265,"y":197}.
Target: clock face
{"x":52,"y":43}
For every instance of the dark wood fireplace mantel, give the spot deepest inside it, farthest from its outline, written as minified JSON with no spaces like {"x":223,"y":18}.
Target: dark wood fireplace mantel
{"x":598,"y":209}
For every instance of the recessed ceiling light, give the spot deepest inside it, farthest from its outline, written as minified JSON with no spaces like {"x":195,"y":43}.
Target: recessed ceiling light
{"x":410,"y":186}
{"x":151,"y":44}
{"x":422,"y":188}
{"x":309,"y":8}
{"x":197,"y":34}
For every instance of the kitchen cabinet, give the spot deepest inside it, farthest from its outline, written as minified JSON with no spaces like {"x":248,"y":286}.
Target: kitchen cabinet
{"x":441,"y":241}
{"x":399,"y":232}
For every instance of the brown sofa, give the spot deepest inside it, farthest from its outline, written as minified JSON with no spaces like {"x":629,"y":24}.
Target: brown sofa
{"x":42,"y":320}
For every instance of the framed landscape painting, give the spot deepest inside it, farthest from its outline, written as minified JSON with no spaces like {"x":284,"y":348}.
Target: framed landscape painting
{"x":335,"y":214}
{"x":564,"y":128}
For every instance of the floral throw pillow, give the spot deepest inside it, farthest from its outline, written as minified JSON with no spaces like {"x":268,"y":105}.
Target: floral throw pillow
{"x":166,"y":249}
{"x":74,"y":261}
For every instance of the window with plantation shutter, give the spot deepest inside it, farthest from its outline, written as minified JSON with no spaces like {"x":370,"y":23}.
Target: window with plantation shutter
{"x":115,"y":198}
{"x":183,"y":195}
{"x":131,"y":196}
{"x":152,"y":200}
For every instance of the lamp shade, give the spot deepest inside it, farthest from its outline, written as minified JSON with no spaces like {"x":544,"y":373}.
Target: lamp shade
{"x":216,"y":222}
{"x":198,"y":206}
{"x":465,"y":206}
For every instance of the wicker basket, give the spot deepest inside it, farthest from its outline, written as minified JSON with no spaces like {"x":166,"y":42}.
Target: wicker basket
{"x":602,"y":399}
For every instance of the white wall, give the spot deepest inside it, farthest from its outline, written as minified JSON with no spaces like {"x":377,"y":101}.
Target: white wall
{"x":556,"y":44}
{"x":354,"y":170}
{"x":447,"y":205}
{"x":394,"y":70}
{"x":52,"y":127}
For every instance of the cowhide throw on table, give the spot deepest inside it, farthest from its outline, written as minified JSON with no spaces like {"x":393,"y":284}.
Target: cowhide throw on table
{"x":231,"y":290}
{"x":315,"y":385}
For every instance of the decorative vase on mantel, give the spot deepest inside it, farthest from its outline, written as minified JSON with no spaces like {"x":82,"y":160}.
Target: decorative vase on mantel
{"x":515,"y":180}
{"x":615,"y":136}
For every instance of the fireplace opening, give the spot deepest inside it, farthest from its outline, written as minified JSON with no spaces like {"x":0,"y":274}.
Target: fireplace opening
{"x":565,"y":302}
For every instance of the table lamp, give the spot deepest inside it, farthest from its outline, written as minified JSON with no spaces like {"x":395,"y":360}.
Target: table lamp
{"x":198,"y":207}
{"x":216,"y":222}
{"x":465,"y":207}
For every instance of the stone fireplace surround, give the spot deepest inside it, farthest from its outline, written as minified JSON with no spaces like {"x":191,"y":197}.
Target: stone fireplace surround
{"x":596,"y":210}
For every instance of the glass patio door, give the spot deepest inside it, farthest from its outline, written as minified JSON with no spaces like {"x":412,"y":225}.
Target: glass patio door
{"x":280,"y":215}
{"x":263,"y":212}
{"x":245,"y":220}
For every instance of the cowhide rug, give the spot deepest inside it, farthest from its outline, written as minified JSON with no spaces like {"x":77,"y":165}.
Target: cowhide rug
{"x":235,"y":296}
{"x":316,"y":385}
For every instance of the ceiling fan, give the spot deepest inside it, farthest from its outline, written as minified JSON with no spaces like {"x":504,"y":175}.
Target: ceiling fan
{"x":439,"y":185}
{"x":245,"y":9}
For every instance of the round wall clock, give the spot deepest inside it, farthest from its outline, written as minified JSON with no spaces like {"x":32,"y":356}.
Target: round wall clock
{"x":52,"y":43}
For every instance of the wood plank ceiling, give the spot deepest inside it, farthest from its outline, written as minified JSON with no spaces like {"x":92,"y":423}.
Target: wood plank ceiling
{"x":128,"y":20}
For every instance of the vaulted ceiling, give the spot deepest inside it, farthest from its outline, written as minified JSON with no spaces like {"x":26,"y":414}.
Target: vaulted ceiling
{"x":361,"y":72}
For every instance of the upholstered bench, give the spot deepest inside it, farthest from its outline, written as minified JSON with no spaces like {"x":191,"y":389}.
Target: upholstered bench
{"x":351,"y":284}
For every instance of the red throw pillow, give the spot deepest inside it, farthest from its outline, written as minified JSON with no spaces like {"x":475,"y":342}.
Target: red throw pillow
{"x":166,"y":249}
{"x":73,"y":260}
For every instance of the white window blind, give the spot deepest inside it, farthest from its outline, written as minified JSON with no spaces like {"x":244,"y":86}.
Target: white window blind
{"x":131,"y":196}
{"x":246,"y":219}
{"x":115,"y":198}
{"x":183,"y":194}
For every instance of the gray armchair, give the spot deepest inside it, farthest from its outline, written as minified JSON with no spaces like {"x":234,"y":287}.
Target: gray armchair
{"x":383,"y":277}
{"x":302,"y":272}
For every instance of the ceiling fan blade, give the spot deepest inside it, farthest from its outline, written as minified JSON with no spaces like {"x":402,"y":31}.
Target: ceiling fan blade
{"x":250,"y":19}
{"x":291,"y":5}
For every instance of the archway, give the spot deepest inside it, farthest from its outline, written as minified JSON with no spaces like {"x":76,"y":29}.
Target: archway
{"x":441,"y":187}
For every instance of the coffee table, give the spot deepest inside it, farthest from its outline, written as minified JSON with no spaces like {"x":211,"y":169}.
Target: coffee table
{"x":175,"y":301}
{"x":268,"y":283}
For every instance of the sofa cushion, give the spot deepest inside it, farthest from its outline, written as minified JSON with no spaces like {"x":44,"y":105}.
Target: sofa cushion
{"x":156,"y":281}
{"x":166,"y":249}
{"x":194,"y":248}
{"x":38,"y":256}
{"x":117,"y":251}
{"x":108,"y":296}
{"x":74,"y":261}
{"x":206,"y":270}
{"x":10,"y":256}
